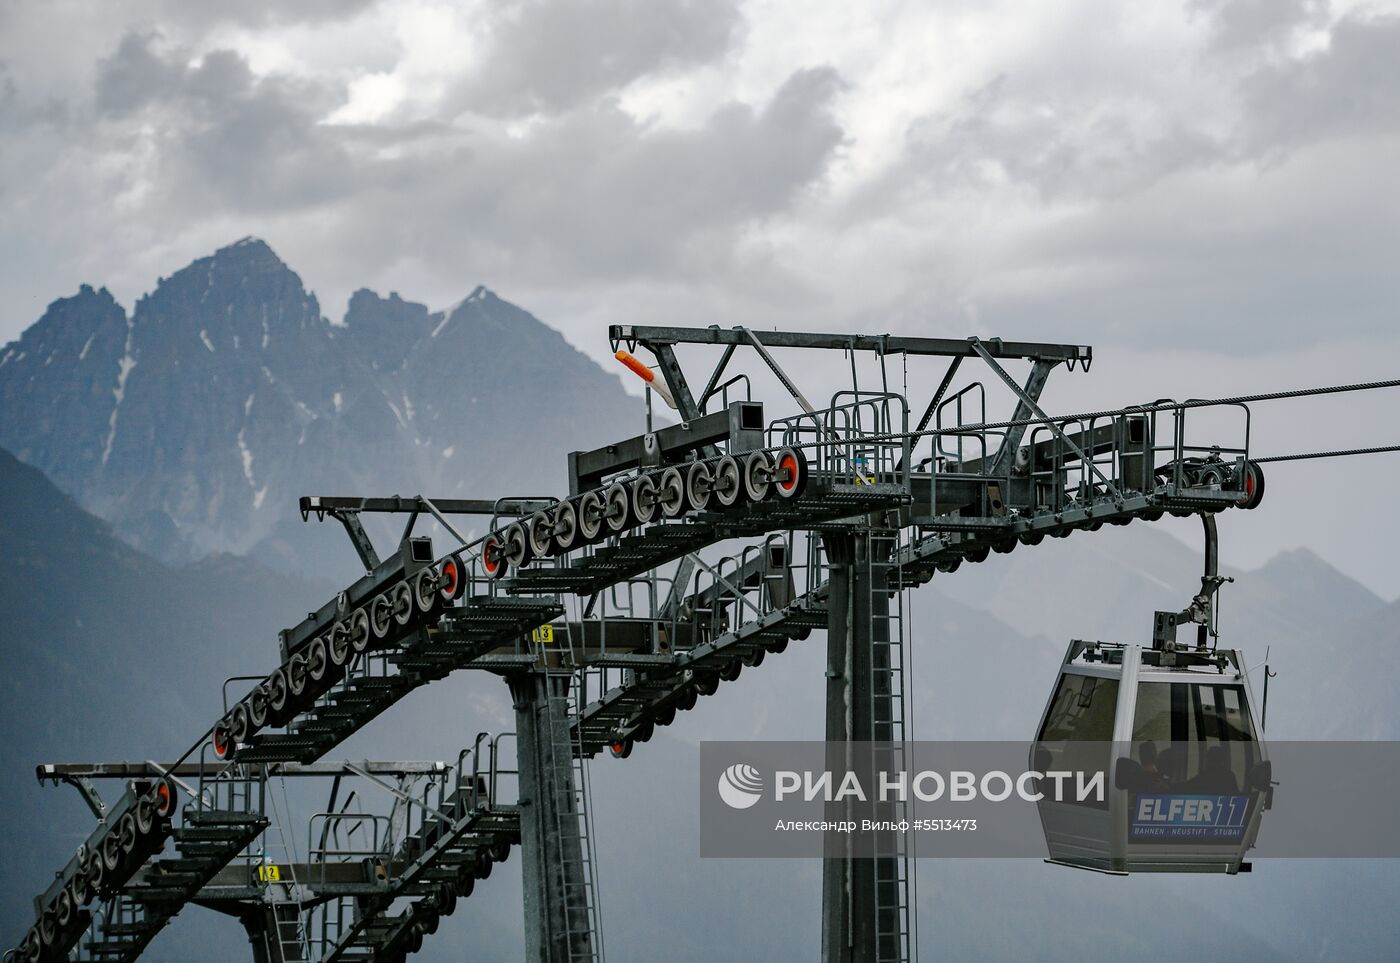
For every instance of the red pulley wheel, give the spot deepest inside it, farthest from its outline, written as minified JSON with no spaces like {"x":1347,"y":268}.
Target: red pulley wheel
{"x":1251,"y":486}
{"x":790,"y":474}
{"x":493,"y":557}
{"x":165,"y":797}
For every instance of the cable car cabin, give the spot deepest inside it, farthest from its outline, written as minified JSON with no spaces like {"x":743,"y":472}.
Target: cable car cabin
{"x":1185,"y":776}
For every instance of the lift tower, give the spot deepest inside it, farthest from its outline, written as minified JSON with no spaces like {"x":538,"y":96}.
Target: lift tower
{"x":865,"y":901}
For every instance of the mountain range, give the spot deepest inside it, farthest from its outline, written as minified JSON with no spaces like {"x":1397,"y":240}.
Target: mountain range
{"x":193,"y":423}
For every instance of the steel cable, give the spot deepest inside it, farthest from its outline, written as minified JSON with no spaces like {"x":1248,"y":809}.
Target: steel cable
{"x":1339,"y":453}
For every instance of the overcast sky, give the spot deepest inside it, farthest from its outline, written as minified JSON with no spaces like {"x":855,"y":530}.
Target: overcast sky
{"x":1205,"y":191}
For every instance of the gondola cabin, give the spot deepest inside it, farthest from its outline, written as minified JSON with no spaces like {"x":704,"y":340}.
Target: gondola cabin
{"x":1186,"y":776}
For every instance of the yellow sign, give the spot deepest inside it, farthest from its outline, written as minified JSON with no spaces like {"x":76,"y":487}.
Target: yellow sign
{"x":544,"y":635}
{"x":269,"y":873}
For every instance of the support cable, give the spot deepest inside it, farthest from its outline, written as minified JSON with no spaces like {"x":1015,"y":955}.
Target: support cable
{"x":1340,"y":453}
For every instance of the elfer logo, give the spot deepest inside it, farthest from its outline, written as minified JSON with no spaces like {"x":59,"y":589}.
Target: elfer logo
{"x":740,"y":786}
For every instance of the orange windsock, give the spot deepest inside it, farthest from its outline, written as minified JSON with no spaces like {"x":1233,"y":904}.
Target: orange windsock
{"x":635,"y":365}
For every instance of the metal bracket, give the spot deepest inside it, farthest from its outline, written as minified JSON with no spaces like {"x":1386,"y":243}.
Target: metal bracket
{"x":89,"y":793}
{"x":777,"y":370}
{"x":1201,"y":610}
{"x":358,"y":537}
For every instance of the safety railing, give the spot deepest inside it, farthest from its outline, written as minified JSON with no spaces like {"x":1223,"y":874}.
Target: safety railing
{"x":855,"y":442}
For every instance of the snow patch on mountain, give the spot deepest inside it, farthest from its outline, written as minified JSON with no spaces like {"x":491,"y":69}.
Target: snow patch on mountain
{"x":123,"y":372}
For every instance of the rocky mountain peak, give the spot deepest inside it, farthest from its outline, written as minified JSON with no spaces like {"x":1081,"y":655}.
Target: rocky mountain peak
{"x":226,"y":395}
{"x":384,"y":330}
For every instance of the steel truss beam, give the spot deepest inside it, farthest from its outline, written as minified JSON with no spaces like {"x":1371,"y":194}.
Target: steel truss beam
{"x":664,"y":337}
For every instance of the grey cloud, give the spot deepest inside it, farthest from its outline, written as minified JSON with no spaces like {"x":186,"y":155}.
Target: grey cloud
{"x":254,"y":13}
{"x":223,"y":137}
{"x":135,"y":75}
{"x":1349,"y":89}
{"x":1303,"y":257}
{"x":1239,"y":24}
{"x":1061,"y":143}
{"x":1068,"y":141}
{"x":596,"y":194}
{"x":552,"y":56}
{"x":590,"y":195}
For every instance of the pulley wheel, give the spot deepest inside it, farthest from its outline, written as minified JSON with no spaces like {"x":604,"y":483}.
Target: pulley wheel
{"x":753,"y":659}
{"x":539,"y":533}
{"x":238,"y":724}
{"x":278,"y":690}
{"x":223,"y":742}
{"x":493,"y":557}
{"x":707,"y":684}
{"x":145,"y":810}
{"x":381,"y":617}
{"x":1032,"y":538}
{"x":111,"y":852}
{"x":465,"y":884}
{"x":698,"y":485}
{"x":688,"y":700}
{"x":1251,"y":486}
{"x":48,"y":928}
{"x":670,"y":493}
{"x":338,"y":648}
{"x":617,"y":508}
{"x":165,"y":797}
{"x":127,"y":830}
{"x":566,"y":525}
{"x":296,"y":675}
{"x":256,"y":701}
{"x":951,"y":565}
{"x":79,"y":885}
{"x":401,"y":600}
{"x":516,"y":545}
{"x":63,"y":909}
{"x":33,"y":947}
{"x":644,"y":499}
{"x":666,"y":716}
{"x":425,"y":591}
{"x":95,"y":871}
{"x":500,"y":850}
{"x":727,"y":481}
{"x":979,"y":554}
{"x":318,"y":663}
{"x":790,"y":476}
{"x":643,"y":732}
{"x":359,"y":630}
{"x":731,"y":670}
{"x":777,"y":646}
{"x":758,"y":475}
{"x":447,"y":899}
{"x":452,"y":578}
{"x":620,"y":748}
{"x":1212,"y":476}
{"x":590,"y":515}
